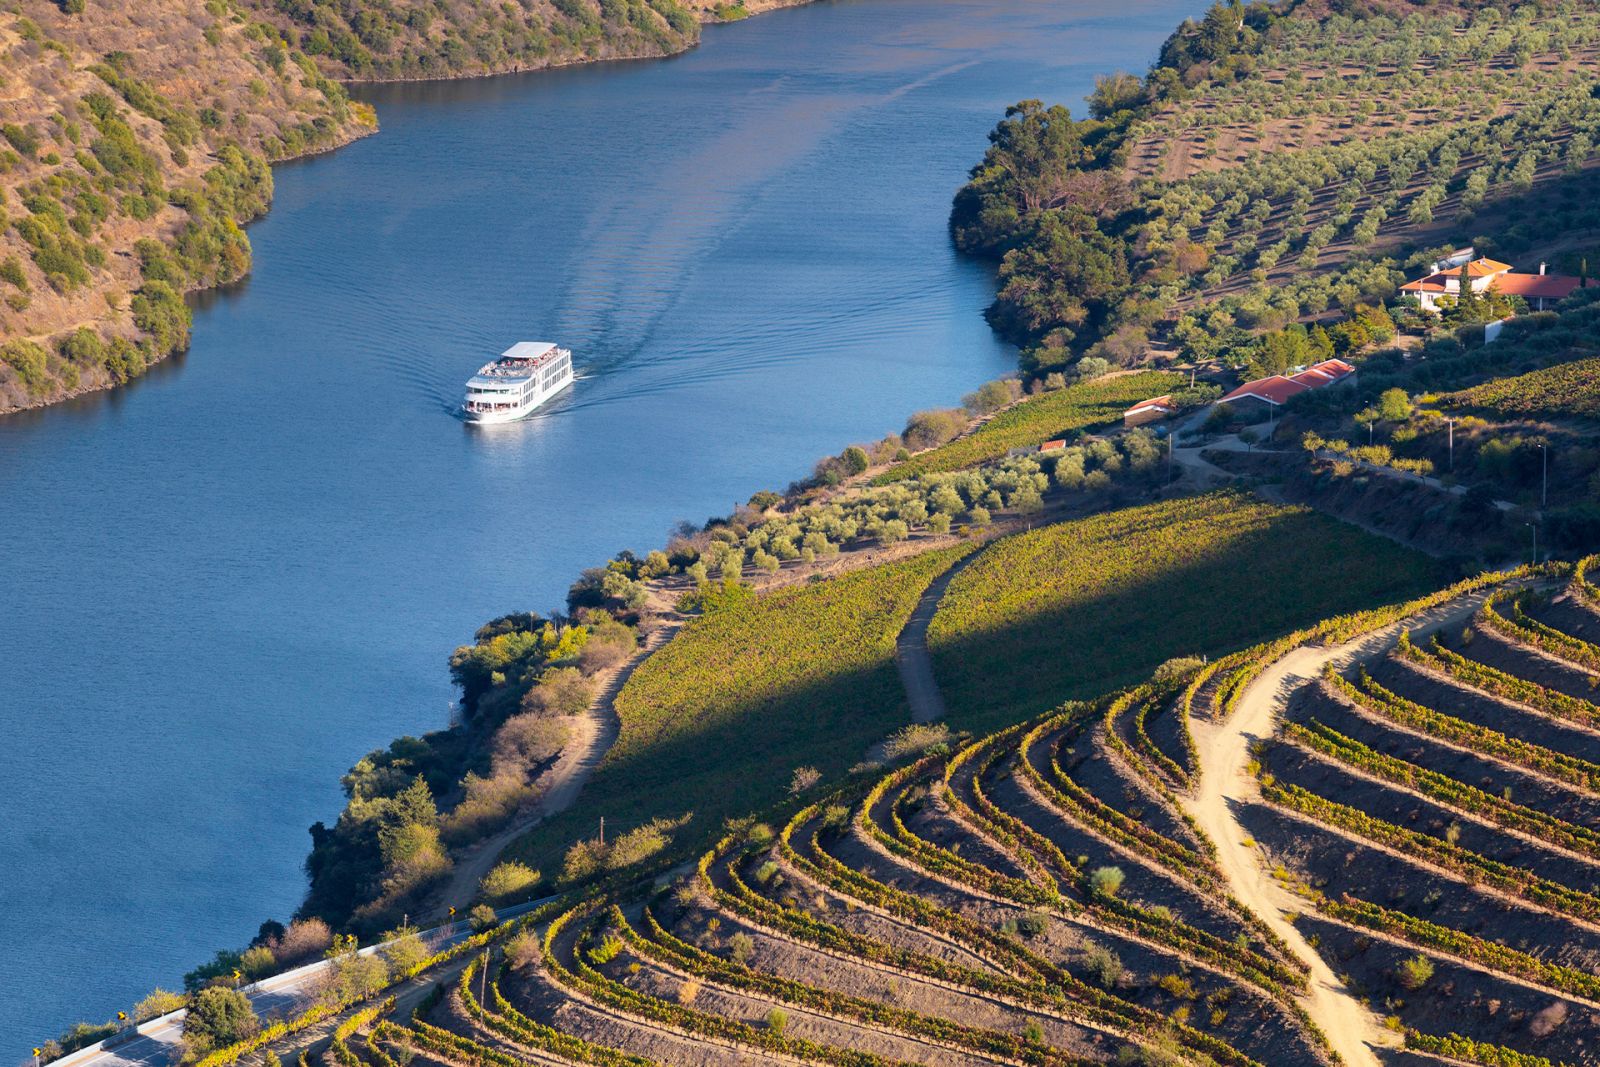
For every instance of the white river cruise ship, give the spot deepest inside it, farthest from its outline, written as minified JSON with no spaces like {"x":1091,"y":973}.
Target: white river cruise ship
{"x":525,"y":376}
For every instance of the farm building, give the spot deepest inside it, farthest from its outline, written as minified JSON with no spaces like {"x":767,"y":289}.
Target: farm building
{"x":1278,"y":389}
{"x":1443,"y":285}
{"x":1147,"y":411}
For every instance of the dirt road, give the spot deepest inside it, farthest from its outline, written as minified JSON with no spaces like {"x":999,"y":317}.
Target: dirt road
{"x":1225,"y":789}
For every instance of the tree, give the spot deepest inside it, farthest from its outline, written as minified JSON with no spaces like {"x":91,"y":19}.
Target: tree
{"x":928,"y":429}
{"x":804,"y":778}
{"x":404,"y":950}
{"x":507,"y":880}
{"x":610,"y":643}
{"x":1115,"y":92}
{"x":1394,"y":405}
{"x":218,"y":1017}
{"x":351,"y":974}
{"x":1033,"y":154}
{"x":855,"y":459}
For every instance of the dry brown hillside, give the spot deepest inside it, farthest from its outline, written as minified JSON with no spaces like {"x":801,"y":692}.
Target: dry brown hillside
{"x":136,"y":139}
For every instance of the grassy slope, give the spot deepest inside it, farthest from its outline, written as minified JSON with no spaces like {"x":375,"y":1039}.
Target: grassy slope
{"x":1038,"y":419}
{"x":1072,"y":610}
{"x":719,"y":718}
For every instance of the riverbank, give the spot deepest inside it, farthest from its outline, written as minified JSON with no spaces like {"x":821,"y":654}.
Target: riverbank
{"x":312,"y":526}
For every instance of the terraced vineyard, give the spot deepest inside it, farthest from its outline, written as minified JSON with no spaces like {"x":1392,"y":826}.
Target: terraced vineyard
{"x":1035,"y":896}
{"x":1435,"y":805}
{"x":1048,"y":894}
{"x":1039,"y":895}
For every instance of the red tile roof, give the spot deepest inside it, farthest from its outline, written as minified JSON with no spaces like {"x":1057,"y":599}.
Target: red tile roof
{"x":1273,"y":390}
{"x":1278,"y":388}
{"x":1052,"y":446}
{"x":1538,"y":286}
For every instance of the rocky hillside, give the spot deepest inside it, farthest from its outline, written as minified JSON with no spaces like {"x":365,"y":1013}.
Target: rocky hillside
{"x":137,"y":138}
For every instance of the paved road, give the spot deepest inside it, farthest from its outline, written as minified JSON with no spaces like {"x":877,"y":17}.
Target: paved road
{"x":1225,"y":789}
{"x":156,"y":1043}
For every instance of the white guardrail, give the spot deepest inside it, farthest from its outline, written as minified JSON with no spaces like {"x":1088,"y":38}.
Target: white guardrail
{"x":161,"y":1024}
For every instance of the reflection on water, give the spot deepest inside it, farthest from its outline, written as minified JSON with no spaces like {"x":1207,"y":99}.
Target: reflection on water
{"x":226,"y":582}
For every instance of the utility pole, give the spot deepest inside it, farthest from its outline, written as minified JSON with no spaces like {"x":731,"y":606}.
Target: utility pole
{"x":1171,"y":444}
{"x":1535,"y":530}
{"x":1452,"y":423}
{"x":483,"y":985}
{"x":602,"y":831}
{"x":1544,"y":477}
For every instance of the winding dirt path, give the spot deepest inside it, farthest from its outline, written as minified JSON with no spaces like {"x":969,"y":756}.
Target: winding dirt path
{"x":594,"y":732}
{"x":1225,"y":789}
{"x":911,"y":653}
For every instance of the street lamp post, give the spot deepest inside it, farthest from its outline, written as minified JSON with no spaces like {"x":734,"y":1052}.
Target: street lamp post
{"x":1535,"y":530}
{"x":1452,"y":424}
{"x":1544,"y":476}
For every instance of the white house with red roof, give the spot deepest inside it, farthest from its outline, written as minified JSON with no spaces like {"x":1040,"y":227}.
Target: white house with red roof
{"x":1278,"y":389}
{"x":1443,"y":285}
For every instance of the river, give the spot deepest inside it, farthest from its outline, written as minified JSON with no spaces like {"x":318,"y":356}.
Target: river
{"x":225,"y":583}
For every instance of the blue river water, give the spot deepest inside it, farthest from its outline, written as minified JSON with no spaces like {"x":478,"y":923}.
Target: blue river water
{"x":222,"y":585}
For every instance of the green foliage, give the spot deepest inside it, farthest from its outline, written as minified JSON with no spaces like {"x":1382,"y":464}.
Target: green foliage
{"x":1082,"y":273}
{"x":507,"y":880}
{"x":1074,"y":609}
{"x":513,"y":651}
{"x":382,"y":849}
{"x":31,"y":363}
{"x":218,"y":1017}
{"x":1038,"y":419}
{"x":1104,"y":881}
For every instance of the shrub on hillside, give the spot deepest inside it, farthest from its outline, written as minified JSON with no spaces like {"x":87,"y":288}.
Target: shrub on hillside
{"x":508,"y":880}
{"x":915,"y":739}
{"x":560,"y":691}
{"x":1415,"y":972}
{"x":1104,"y":882}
